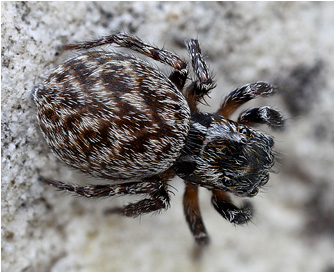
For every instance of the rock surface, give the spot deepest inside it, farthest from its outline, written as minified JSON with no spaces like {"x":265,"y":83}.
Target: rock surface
{"x":289,"y":43}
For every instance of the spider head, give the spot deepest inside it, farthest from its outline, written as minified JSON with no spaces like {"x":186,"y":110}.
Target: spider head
{"x":222,"y":154}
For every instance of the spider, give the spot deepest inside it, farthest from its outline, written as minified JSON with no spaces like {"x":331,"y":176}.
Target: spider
{"x":117,"y":117}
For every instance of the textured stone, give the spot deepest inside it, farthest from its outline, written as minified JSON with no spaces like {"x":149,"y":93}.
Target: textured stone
{"x":290,"y":43}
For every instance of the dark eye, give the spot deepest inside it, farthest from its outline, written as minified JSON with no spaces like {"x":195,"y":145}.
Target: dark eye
{"x":245,"y":131}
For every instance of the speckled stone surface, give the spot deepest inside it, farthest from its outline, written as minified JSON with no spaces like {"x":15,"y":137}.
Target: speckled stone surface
{"x":288,"y":43}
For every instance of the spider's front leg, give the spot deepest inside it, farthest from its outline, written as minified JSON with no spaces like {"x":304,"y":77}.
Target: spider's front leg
{"x":262,"y":115}
{"x":242,"y":95}
{"x":202,"y":86}
{"x":193,"y":215}
{"x":154,"y":187}
{"x":223,"y":204}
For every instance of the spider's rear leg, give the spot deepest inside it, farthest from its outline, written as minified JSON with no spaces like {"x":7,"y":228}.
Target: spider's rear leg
{"x":202,"y":86}
{"x":262,"y":115}
{"x":223,"y":204}
{"x":178,"y":76}
{"x":193,"y":215}
{"x":242,"y":95}
{"x":157,"y":189}
{"x":159,"y":199}
{"x":154,"y":187}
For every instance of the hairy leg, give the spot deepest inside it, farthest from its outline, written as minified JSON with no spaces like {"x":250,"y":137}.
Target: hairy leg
{"x":223,"y":204}
{"x":204,"y":83}
{"x":133,"y":43}
{"x":178,"y":76}
{"x":158,"y":197}
{"x":262,"y":115}
{"x":96,"y":191}
{"x":154,"y":187}
{"x":242,"y":95}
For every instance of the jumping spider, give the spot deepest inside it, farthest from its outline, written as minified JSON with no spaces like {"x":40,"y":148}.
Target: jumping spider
{"x":117,"y":117}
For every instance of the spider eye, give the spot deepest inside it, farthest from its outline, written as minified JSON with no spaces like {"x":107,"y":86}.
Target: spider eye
{"x":245,"y":131}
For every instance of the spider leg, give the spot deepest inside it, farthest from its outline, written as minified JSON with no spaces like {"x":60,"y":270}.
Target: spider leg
{"x":178,"y":76}
{"x":96,"y":191}
{"x":263,"y":115}
{"x":242,"y":95}
{"x":193,"y":215}
{"x":202,"y":86}
{"x":159,"y":197}
{"x":223,"y":204}
{"x":194,"y":93}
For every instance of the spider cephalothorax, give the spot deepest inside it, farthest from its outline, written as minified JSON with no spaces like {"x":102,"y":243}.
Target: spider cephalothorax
{"x":221,"y":154}
{"x":117,"y":117}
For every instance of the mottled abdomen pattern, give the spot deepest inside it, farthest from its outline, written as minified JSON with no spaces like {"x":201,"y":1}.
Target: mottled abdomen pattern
{"x":112,"y":116}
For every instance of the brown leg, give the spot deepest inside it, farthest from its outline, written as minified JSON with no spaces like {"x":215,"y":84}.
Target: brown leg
{"x":193,"y":215}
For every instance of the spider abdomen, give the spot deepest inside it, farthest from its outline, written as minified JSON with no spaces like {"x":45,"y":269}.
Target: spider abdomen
{"x":113,"y":116}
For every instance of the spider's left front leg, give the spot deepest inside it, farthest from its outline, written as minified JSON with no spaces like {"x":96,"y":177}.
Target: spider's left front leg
{"x":223,"y":204}
{"x":195,"y":92}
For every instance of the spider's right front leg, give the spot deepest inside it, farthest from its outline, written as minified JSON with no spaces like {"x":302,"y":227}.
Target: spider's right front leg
{"x":242,"y":95}
{"x":223,"y":205}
